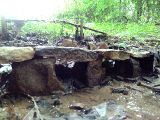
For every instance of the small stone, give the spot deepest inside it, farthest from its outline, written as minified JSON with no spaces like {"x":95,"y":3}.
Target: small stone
{"x":54,"y":96}
{"x":102,"y":45}
{"x":87,"y":111}
{"x":77,"y":106}
{"x":56,"y":102}
{"x":35,"y":115}
{"x":157,"y":70}
{"x":92,"y":45}
{"x":124,"y":91}
{"x":69,"y":43}
{"x":37,"y":99}
{"x":57,"y":93}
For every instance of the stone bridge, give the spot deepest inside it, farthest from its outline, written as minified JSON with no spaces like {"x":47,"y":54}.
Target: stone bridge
{"x":41,"y":70}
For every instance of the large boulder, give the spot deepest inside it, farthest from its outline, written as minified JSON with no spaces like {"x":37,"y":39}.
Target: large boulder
{"x":112,"y":54}
{"x":15,"y":54}
{"x":66,"y":54}
{"x":140,"y":54}
{"x":35,"y":77}
{"x":95,"y":72}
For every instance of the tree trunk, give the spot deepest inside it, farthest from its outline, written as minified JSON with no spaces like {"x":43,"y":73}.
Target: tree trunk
{"x":4,"y":27}
{"x":139,"y":9}
{"x":148,"y":10}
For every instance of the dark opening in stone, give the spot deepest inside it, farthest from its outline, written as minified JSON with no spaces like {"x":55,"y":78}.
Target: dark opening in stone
{"x":123,"y":68}
{"x":109,"y":67}
{"x":146,"y":65}
{"x":75,"y":76}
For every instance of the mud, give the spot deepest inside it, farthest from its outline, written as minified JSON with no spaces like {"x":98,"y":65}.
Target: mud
{"x":139,"y":104}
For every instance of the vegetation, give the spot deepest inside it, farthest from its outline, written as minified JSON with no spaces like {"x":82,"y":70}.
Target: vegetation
{"x":116,"y":10}
{"x":138,"y":18}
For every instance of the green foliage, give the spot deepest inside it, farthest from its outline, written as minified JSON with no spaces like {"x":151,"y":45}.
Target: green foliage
{"x":51,"y":30}
{"x":119,"y":17}
{"x":142,"y":30}
{"x":115,"y":10}
{"x":55,"y":30}
{"x":126,"y":18}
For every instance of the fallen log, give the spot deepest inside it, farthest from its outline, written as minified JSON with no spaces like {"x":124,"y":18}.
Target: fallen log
{"x":76,"y":25}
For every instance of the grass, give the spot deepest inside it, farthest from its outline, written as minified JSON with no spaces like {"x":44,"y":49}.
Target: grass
{"x":140,"y":30}
{"x":55,"y":30}
{"x":51,"y":30}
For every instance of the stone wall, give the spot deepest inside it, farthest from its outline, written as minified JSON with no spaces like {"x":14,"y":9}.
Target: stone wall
{"x":34,"y":68}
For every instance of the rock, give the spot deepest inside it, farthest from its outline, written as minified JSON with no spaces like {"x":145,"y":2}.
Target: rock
{"x":157,"y":58}
{"x":35,"y":77}
{"x":58,"y":93}
{"x":136,"y":68}
{"x":91,"y":114}
{"x":156,"y":63}
{"x":132,"y":80}
{"x":46,"y":102}
{"x":3,"y":114}
{"x":102,"y":45}
{"x":15,"y":54}
{"x":69,"y":43}
{"x":124,"y":91}
{"x":110,"y":110}
{"x":54,"y":96}
{"x":111,"y":54}
{"x":157,"y":70}
{"x":77,"y":106}
{"x":71,"y":116}
{"x":66,"y":54}
{"x":81,"y":55}
{"x":95,"y":73}
{"x":156,"y":82}
{"x":140,"y":54}
{"x":92,"y":45}
{"x":6,"y":68}
{"x":148,"y":79}
{"x":56,"y":102}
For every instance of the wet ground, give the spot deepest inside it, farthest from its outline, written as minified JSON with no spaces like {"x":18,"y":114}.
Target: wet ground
{"x":98,"y":103}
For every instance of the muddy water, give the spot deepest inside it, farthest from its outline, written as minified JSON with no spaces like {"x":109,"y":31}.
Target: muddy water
{"x":140,"y":104}
{"x":144,"y":105}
